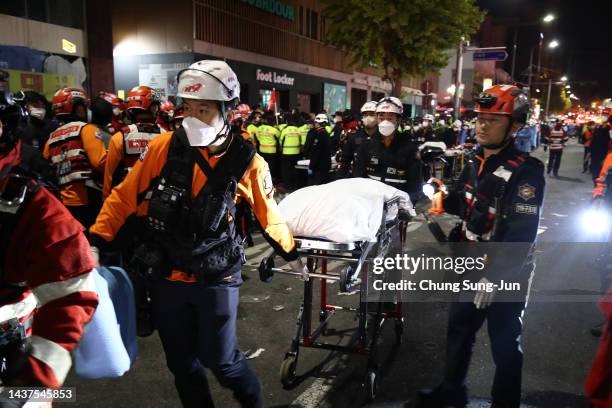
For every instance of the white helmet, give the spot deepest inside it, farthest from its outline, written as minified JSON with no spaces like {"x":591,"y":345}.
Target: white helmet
{"x":442,"y":122}
{"x":369,"y":106}
{"x":209,"y":79}
{"x":321,"y":118}
{"x":390,"y":104}
{"x":428,"y":117}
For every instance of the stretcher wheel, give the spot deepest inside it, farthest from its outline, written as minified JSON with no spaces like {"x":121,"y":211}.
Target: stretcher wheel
{"x":265,"y":269}
{"x":287,"y":371}
{"x":371,"y":385}
{"x":399,"y":331}
{"x":345,"y":275}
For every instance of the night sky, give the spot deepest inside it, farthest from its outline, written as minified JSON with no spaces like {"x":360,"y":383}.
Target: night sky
{"x":584,"y":30}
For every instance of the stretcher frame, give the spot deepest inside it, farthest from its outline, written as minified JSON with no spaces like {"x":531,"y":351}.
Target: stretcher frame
{"x":360,"y":254}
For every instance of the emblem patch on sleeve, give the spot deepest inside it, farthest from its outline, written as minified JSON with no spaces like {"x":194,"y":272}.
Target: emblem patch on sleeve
{"x":526,"y":191}
{"x":268,"y":185}
{"x":144,"y":153}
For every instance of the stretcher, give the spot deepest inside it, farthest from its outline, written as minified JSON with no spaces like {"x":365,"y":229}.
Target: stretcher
{"x":357,"y":257}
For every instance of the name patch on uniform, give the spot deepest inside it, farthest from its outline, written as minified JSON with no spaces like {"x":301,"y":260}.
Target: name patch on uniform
{"x":526,"y":191}
{"x":528,"y":209}
{"x":144,"y":153}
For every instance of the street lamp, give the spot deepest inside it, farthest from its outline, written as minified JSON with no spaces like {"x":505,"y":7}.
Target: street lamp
{"x":563,"y":78}
{"x":548,"y":18}
{"x":553,"y":44}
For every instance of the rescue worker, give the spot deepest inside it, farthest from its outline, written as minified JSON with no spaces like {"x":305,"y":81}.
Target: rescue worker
{"x":499,"y":199}
{"x":355,"y":140}
{"x":165,"y":115}
{"x":388,"y":156}
{"x":31,"y":132}
{"x":38,"y":124}
{"x":600,"y":146}
{"x":130,"y":142}
{"x":290,"y":148}
{"x":102,"y":117}
{"x":118,"y":107}
{"x":185,"y":185}
{"x":177,"y":119}
{"x":47,"y":299}
{"x":76,"y":150}
{"x":252,"y":124}
{"x":556,"y":142}
{"x":266,"y":139}
{"x":425,"y":132}
{"x":318,"y":151}
{"x":587,"y":135}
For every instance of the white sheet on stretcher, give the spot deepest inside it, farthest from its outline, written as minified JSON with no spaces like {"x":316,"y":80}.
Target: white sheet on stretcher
{"x":343,"y":211}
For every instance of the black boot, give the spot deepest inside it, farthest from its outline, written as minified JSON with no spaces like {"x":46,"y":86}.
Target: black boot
{"x":439,"y":397}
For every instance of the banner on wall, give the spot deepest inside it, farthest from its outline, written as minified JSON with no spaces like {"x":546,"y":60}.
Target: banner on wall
{"x":334,"y":98}
{"x":46,"y":84}
{"x":161,"y":77}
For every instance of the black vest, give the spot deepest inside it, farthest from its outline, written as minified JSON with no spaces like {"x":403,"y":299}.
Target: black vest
{"x":198,"y":236}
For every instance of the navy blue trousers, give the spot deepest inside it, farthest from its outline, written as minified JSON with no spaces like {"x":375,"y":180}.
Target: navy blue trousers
{"x":197,"y":327}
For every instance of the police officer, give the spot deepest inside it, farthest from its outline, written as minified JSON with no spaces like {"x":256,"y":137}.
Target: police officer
{"x":185,"y":185}
{"x":76,"y":150}
{"x":354,"y":141}
{"x":499,"y":199}
{"x":290,"y":147}
{"x":129,"y":142}
{"x":389,"y":156}
{"x":425,"y":132}
{"x":318,"y":151}
{"x":266,"y":139}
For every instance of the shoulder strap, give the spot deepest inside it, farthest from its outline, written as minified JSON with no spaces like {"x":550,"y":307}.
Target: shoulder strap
{"x":233,"y":164}
{"x":179,"y":163}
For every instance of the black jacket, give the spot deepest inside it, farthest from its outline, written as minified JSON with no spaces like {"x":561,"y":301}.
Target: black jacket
{"x":517,"y":205}
{"x":349,"y":152}
{"x":397,"y":165}
{"x":318,"y":150}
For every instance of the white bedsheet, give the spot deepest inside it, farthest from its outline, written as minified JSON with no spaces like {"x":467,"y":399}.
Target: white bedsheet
{"x":345,"y":211}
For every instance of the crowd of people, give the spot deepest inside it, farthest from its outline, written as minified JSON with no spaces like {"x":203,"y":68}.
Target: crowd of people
{"x":173,"y":186}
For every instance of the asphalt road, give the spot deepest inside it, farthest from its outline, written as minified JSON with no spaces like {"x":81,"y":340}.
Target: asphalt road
{"x":556,"y":341}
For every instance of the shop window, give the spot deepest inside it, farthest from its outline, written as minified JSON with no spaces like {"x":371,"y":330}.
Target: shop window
{"x":37,"y":10}
{"x":301,"y":20}
{"x":264,"y":97}
{"x":68,"y":13}
{"x":314,"y":28}
{"x":13,"y":8}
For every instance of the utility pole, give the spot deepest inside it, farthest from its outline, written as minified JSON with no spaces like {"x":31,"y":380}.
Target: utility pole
{"x":548,"y":98}
{"x":530,"y":71}
{"x":458,"y":77}
{"x":514,"y":52}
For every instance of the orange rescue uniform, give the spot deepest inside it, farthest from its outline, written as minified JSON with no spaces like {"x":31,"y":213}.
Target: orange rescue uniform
{"x":255,"y":187}
{"x":75,"y":193}
{"x":602,"y":182}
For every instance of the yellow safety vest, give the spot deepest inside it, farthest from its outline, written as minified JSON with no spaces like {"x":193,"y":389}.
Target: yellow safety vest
{"x":290,"y":140}
{"x":304,"y":129}
{"x":251,"y":130}
{"x":267,"y":137}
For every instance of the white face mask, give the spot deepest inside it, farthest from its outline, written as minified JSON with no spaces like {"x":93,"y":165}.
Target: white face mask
{"x":116,"y":111}
{"x":369,"y":121}
{"x":200,"y":133}
{"x":38,"y":113}
{"x":386,"y":128}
